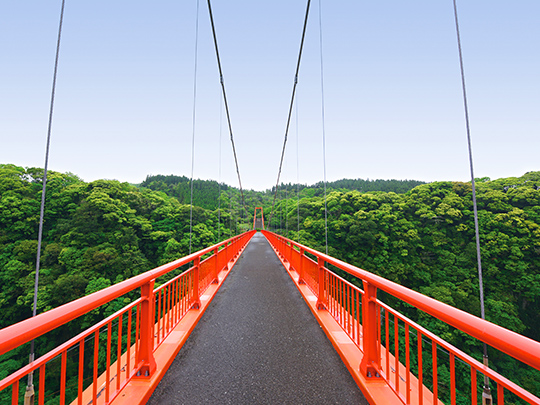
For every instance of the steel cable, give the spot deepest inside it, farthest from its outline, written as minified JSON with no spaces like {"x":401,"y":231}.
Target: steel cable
{"x":44,"y":189}
{"x":193,"y":124}
{"x":219,"y":175}
{"x":487,"y":391}
{"x":291,"y":106}
{"x":297,"y":176}
{"x":323,"y":128}
{"x":225,"y":101}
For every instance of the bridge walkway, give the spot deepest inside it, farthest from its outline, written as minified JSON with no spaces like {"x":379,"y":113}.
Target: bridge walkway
{"x":258,"y":343}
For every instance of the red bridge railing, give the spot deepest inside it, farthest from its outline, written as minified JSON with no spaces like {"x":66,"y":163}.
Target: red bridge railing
{"x":379,"y":331}
{"x":127,"y":339}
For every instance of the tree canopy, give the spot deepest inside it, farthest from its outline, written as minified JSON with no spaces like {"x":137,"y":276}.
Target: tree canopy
{"x":416,"y":234}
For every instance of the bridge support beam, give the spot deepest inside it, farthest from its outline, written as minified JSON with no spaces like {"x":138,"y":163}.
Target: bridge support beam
{"x":146,"y":362}
{"x":370,"y":365}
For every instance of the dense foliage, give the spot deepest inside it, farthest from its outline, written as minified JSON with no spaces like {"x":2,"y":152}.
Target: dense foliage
{"x":418,"y":235}
{"x":424,"y":239}
{"x":206,"y":192}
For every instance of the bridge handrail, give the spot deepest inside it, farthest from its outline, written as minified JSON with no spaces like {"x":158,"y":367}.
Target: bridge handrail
{"x":20,"y":333}
{"x":520,"y":347}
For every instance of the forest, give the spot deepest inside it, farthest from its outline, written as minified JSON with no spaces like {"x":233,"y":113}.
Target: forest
{"x":420,"y":235}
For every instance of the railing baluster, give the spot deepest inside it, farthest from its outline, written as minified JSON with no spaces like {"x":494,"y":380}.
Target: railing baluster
{"x":119,"y":352}
{"x":407,"y":364}
{"x":108,"y":363}
{"x":15,"y":393}
{"x":387,"y":328}
{"x":396,"y":350}
{"x":434,"y":371}
{"x":175,"y":302}
{"x":179,"y":298}
{"x":420,"y":371}
{"x":95,"y":370}
{"x":341,"y":302}
{"x":168,"y":308}
{"x":349,"y":309}
{"x":81,"y":373}
{"x":159,"y":321}
{"x":357,"y":316}
{"x":474,"y":393}
{"x":128,"y":351}
{"x":137,"y":334}
{"x":452,"y":379}
{"x":63,"y":378}
{"x":500,"y":394}
{"x":41,"y":392}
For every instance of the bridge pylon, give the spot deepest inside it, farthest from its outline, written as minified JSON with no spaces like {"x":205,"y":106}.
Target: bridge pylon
{"x":258,"y":223}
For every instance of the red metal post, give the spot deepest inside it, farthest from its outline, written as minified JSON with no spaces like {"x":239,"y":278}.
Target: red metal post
{"x":370,"y":364}
{"x":322,"y":301}
{"x":290,"y":258}
{"x":196,"y":302}
{"x":301,"y":269}
{"x":147,"y":363}
{"x":216,"y":269}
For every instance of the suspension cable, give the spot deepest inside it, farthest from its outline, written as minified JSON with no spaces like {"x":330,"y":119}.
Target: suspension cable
{"x":193,"y":124}
{"x":291,"y":105}
{"x":225,"y":101}
{"x":297,"y":175}
{"x":219,"y":176}
{"x":323,"y":128}
{"x":30,"y":384}
{"x":487,"y":391}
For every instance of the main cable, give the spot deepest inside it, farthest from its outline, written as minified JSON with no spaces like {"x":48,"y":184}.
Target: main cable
{"x":225,"y":101}
{"x":30,"y":385}
{"x":487,"y":390}
{"x":291,"y":105}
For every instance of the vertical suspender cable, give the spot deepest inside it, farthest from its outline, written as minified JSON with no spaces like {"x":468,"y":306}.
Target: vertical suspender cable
{"x":286,"y":211}
{"x":219,"y":175}
{"x":225,"y":101}
{"x":297,"y":176}
{"x":323,"y":129}
{"x":487,"y":391}
{"x":291,"y":105}
{"x":193,"y":124}
{"x":30,"y":386}
{"x":230,"y":211}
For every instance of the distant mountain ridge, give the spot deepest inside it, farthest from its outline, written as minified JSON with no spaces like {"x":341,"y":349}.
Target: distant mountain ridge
{"x":206,"y":192}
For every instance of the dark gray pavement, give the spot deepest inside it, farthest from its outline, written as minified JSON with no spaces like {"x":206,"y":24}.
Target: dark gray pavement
{"x":258,"y":343}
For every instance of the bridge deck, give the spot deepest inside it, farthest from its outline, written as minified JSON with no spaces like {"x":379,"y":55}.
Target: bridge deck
{"x":258,"y":343}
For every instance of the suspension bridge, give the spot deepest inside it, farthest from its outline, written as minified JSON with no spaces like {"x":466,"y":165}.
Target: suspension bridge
{"x":260,"y":318}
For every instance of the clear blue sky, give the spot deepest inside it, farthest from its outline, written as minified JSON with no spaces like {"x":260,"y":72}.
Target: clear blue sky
{"x":391,"y":73}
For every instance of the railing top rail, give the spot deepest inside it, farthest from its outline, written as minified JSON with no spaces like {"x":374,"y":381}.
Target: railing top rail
{"x":57,"y":351}
{"x":31,"y":328}
{"x":512,"y":343}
